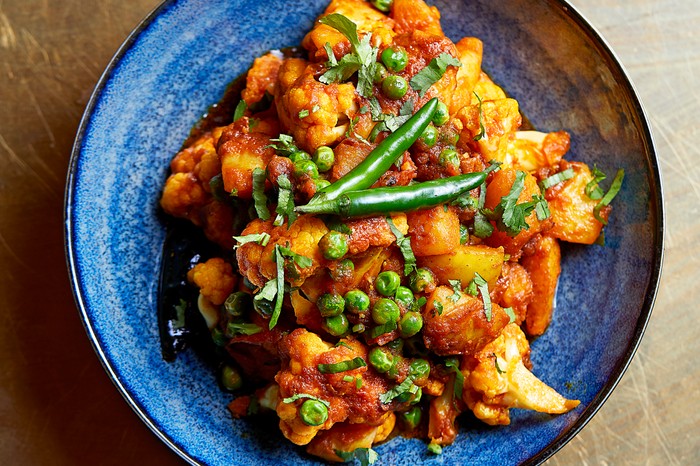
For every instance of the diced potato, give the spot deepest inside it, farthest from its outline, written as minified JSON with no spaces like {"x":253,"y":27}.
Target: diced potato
{"x":459,"y":326}
{"x":464,"y":262}
{"x":486,"y":89}
{"x":433,"y":231}
{"x":544,"y":269}
{"x":500,"y":186}
{"x":241,"y":152}
{"x":306,"y":312}
{"x":572,"y":209}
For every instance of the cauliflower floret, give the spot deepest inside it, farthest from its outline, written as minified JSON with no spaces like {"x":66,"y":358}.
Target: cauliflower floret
{"x":444,"y":410}
{"x":214,"y":278}
{"x":499,"y":119}
{"x":360,"y":12}
{"x":262,"y":77}
{"x":302,"y":352}
{"x":496,"y":380}
{"x":346,"y":438}
{"x":329,"y":106}
{"x":532,"y":150}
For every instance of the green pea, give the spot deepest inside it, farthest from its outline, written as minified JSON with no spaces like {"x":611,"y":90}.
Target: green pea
{"x":420,"y":280}
{"x":381,"y":360}
{"x":410,"y":324}
{"x":330,"y":304}
{"x":230,"y":378}
{"x":324,"y":158}
{"x":337,"y":325}
{"x":385,"y":310}
{"x":380,"y":73}
{"x":404,"y":296}
{"x":382,"y":5}
{"x":387,"y":282}
{"x":441,"y":115}
{"x":342,"y":270}
{"x":313,"y":413}
{"x":449,"y":157}
{"x":263,"y":307}
{"x":321,"y":183}
{"x":419,"y":369}
{"x":463,"y":234}
{"x":334,"y":245}
{"x":412,"y":417}
{"x":356,"y":301}
{"x":394,"y":87}
{"x":395,"y":59}
{"x":305,"y":167}
{"x":299,"y":155}
{"x":429,"y":136}
{"x":237,"y":303}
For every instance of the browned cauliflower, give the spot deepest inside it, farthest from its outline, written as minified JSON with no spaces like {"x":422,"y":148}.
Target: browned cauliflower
{"x":330,"y":106}
{"x":356,"y":403}
{"x":214,"y":278}
{"x":497,"y":379}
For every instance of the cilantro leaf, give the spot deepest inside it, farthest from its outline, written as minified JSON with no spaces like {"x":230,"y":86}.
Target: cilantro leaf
{"x":482,"y":131}
{"x":510,"y":313}
{"x":300,"y":396}
{"x":404,"y":244}
{"x":592,"y":189}
{"x":482,"y":227}
{"x":284,"y":145}
{"x":362,"y":59}
{"x":609,"y":196}
{"x":342,"y":366}
{"x":556,"y":179}
{"x":242,"y":328}
{"x":259,"y":197}
{"x":279,"y":282}
{"x":285,"y":201}
{"x":432,"y":73}
{"x":261,"y":238}
{"x":453,"y":364}
{"x":302,"y":261}
{"x":483,"y":287}
{"x":407,"y":386}
{"x":457,"y":287}
{"x":241,"y":107}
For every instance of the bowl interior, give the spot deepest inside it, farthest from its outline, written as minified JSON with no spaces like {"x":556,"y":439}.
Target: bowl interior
{"x":179,"y":63}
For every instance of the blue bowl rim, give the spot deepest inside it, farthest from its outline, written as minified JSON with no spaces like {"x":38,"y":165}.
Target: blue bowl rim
{"x":656,"y":201}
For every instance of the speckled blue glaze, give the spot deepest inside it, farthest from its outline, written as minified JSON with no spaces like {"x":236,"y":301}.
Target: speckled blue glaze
{"x":179,"y":62}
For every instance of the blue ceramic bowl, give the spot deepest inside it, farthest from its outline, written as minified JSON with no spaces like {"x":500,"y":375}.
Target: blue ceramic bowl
{"x":179,"y":61}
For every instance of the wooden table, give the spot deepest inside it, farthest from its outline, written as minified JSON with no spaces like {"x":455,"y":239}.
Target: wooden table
{"x":58,"y":407}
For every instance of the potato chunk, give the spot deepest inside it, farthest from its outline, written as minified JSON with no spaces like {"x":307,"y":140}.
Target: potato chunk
{"x":500,"y":119}
{"x":433,"y":231}
{"x":464,"y":262}
{"x":461,"y":326}
{"x":412,"y":15}
{"x":500,"y":186}
{"x":470,"y":51}
{"x":572,"y":209}
{"x":544,"y":268}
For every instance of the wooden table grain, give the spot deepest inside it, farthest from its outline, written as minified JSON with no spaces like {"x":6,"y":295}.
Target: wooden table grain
{"x":57,"y":405}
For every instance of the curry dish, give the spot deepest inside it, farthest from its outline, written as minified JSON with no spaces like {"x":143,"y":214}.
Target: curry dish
{"x":395,"y":235}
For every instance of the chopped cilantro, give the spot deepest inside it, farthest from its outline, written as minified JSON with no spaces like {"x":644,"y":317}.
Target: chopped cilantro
{"x":482,"y":131}
{"x":302,"y":261}
{"x":241,"y":107}
{"x":556,"y":179}
{"x":609,"y":196}
{"x":432,"y":73}
{"x":299,"y":396}
{"x":261,"y":238}
{"x":483,"y":287}
{"x":495,"y":363}
{"x":284,"y":145}
{"x":592,"y":189}
{"x":285,"y":201}
{"x":362,"y":59}
{"x":435,"y":449}
{"x":404,"y":244}
{"x":482,"y":226}
{"x":366,"y":456}
{"x":342,"y":366}
{"x":437,"y":305}
{"x":457,"y":287}
{"x":279,"y":282}
{"x":510,"y":313}
{"x":407,"y":386}
{"x":303,"y":113}
{"x":419,"y":303}
{"x":342,"y":343}
{"x":453,"y":365}
{"x":259,"y":197}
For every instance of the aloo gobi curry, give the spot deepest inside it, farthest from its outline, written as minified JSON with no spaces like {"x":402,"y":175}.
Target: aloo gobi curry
{"x":395,"y":235}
